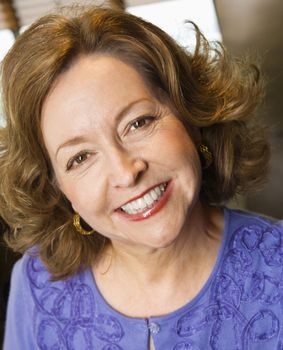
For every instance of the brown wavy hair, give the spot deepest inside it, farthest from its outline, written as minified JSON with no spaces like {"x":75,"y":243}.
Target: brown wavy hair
{"x":211,"y":90}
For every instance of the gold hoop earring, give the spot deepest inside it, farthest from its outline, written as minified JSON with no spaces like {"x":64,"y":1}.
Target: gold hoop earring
{"x":206,"y":154}
{"x":78,"y":226}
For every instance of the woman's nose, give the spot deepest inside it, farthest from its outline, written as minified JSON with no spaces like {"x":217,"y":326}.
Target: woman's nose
{"x":125,"y":169}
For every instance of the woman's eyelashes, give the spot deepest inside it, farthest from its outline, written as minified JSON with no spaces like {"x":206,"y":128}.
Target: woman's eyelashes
{"x":141,"y":123}
{"x":77,"y":160}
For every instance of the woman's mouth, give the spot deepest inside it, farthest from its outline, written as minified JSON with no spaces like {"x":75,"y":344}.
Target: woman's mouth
{"x":148,"y":204}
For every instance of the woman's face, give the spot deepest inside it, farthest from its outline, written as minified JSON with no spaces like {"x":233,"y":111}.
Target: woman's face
{"x":121,"y":157}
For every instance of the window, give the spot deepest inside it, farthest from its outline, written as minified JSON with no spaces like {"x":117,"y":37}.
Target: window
{"x":171,"y":16}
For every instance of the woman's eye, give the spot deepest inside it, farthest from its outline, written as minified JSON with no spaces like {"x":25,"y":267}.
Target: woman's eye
{"x":141,"y":122}
{"x":77,"y":160}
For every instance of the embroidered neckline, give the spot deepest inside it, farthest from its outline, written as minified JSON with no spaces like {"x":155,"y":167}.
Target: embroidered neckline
{"x":186,"y":306}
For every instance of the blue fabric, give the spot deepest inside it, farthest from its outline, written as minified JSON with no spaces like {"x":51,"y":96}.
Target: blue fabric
{"x":239,"y":307}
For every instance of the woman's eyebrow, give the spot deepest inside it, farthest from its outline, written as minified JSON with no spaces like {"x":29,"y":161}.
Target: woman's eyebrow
{"x":79,"y":139}
{"x":125,"y":110}
{"x":71,"y":142}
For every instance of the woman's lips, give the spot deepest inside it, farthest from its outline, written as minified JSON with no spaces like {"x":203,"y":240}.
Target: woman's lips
{"x":148,"y":212}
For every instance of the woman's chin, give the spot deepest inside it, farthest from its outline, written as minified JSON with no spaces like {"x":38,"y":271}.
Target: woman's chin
{"x":161,"y":242}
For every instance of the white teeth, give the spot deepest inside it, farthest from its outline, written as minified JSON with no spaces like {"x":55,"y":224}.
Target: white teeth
{"x":141,"y":203}
{"x":128,"y":208}
{"x":153,"y":195}
{"x":149,"y":199}
{"x":135,"y":206}
{"x":146,"y":201}
{"x":132,"y":209}
{"x":157,"y":191}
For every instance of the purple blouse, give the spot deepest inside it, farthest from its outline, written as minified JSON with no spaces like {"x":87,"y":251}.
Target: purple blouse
{"x":240,"y":307}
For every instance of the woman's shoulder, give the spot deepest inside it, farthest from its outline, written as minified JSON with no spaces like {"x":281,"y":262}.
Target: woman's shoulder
{"x":47,"y":292}
{"x":45,"y":305}
{"x":236,"y":218}
{"x":32,"y":281}
{"x":29,"y":271}
{"x":254,"y":237}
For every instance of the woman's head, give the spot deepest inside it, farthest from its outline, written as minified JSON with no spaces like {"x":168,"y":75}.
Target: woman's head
{"x":122,"y":158}
{"x":211,"y":94}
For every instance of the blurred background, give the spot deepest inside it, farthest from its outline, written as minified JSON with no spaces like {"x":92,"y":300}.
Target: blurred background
{"x":253,"y":26}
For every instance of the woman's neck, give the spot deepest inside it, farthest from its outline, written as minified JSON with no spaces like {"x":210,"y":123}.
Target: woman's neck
{"x":167,"y":271}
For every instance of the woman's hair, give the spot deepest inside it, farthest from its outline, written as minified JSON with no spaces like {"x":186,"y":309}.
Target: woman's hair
{"x":212,"y":92}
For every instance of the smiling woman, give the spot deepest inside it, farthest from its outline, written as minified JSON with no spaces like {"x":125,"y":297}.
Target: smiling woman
{"x":123,"y":141}
{"x":119,"y":152}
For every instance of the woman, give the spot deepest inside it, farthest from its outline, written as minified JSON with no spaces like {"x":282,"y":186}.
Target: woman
{"x":119,"y":151}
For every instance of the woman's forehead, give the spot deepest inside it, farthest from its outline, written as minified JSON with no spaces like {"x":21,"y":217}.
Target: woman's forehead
{"x":97,"y":76}
{"x":94,"y":91}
